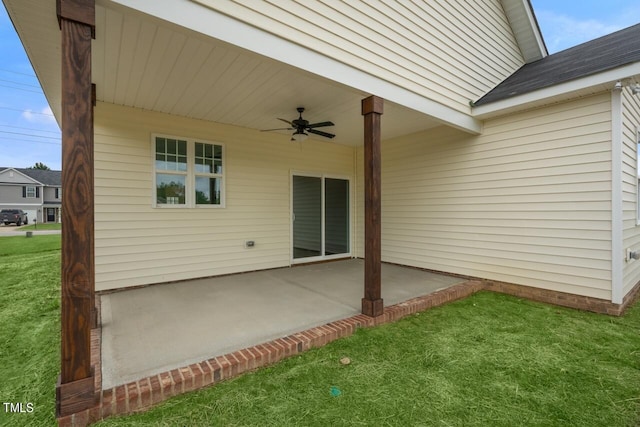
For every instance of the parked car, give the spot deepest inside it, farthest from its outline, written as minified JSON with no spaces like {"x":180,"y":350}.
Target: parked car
{"x":13,"y":216}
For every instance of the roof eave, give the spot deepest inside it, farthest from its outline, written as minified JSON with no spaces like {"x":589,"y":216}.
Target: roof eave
{"x":33,"y":180}
{"x":525,"y":29}
{"x":557,"y":92}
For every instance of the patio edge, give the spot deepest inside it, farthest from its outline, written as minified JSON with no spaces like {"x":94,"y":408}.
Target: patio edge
{"x":137,"y":396}
{"x":140,"y":395}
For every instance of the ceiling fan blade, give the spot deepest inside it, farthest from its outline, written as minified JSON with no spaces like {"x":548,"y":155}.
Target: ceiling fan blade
{"x":318,"y":132}
{"x":320,"y":125}
{"x":268,"y":130}
{"x":286,"y":121}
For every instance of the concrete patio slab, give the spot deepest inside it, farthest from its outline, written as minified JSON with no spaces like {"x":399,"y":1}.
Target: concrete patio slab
{"x":158,"y":328}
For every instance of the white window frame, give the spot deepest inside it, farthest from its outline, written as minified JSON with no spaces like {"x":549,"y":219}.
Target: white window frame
{"x":190,"y":174}
{"x":351,"y":223}
{"x":27,"y":192}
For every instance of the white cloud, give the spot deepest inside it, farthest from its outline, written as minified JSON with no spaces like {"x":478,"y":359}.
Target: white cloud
{"x":562,"y":31}
{"x":44,"y":116}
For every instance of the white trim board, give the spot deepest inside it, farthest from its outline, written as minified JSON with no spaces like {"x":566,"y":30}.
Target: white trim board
{"x":617,"y":253}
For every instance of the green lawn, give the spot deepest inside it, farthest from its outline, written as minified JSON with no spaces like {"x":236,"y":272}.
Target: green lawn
{"x":29,"y":327}
{"x":46,"y":226}
{"x":489,"y":360}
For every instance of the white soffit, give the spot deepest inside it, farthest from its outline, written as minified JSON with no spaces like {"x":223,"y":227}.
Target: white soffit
{"x":525,"y":28}
{"x":189,"y":14}
{"x":578,"y":87}
{"x":37,"y":25}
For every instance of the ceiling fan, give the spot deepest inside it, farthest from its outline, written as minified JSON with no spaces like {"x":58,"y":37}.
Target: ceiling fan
{"x":302,"y":126}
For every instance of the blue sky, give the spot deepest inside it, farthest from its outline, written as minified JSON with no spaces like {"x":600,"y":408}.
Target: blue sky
{"x":566,"y":23}
{"x":30,"y":134}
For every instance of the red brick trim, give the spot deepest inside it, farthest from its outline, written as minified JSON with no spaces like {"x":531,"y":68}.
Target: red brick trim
{"x":140,"y":395}
{"x":564,"y":299}
{"x":146,"y":392}
{"x":631,"y":297}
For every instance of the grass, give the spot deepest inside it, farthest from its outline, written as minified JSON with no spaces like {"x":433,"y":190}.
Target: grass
{"x":488,"y":360}
{"x":29,"y":327}
{"x":45,"y":226}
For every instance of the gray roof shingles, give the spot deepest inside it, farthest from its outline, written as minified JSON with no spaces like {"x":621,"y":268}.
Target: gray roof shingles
{"x":602,"y":54}
{"x":46,"y":177}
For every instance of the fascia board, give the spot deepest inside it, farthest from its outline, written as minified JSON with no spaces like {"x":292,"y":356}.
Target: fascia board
{"x":535,"y":28}
{"x":525,"y":27}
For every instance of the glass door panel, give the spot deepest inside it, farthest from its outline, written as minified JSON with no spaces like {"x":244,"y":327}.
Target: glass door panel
{"x":307,"y":217}
{"x":336,"y":216}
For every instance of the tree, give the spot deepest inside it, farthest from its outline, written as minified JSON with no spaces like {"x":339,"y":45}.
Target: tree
{"x":171,"y":193}
{"x":40,"y":166}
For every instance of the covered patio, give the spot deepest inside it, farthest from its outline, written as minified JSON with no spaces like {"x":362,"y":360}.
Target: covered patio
{"x":236,"y":87}
{"x":150,"y":330}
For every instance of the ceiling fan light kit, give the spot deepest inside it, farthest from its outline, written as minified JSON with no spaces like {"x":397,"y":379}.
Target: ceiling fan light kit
{"x":299,"y":136}
{"x":302,"y":126}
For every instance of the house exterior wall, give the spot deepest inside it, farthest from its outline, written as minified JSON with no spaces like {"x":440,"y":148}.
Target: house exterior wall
{"x":136,"y":244}
{"x":526,"y":202}
{"x":428,"y":48}
{"x":631,"y":229}
{"x":50,"y":195}
{"x":12,"y":194}
{"x":11,"y":198}
{"x":9,"y":176}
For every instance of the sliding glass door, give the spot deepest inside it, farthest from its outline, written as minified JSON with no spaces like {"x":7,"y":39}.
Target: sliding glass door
{"x":320,"y":218}
{"x":307,"y":217}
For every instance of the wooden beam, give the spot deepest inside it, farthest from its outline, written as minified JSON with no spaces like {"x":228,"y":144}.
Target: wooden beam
{"x":372,"y":304}
{"x":75,"y":390}
{"x":80,"y":11}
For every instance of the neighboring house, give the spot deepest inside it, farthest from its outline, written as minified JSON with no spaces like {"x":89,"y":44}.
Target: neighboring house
{"x":498,"y":161}
{"x":35,"y":191}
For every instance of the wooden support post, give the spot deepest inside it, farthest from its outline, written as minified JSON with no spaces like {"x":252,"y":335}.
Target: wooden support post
{"x":76,"y":390}
{"x":372,"y":304}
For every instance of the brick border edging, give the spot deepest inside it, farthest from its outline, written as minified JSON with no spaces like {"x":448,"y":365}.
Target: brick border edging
{"x":579,"y":302}
{"x":146,"y":392}
{"x":142,"y":394}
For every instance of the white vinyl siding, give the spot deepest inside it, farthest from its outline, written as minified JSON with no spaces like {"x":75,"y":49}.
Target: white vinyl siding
{"x":451,"y":51}
{"x":631,"y":229}
{"x":138,"y":245}
{"x":526,"y":202}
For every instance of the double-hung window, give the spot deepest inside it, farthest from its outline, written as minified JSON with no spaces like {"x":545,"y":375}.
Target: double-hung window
{"x":188,"y":172}
{"x":171,"y":171}
{"x":208,"y":173}
{"x":31,"y":192}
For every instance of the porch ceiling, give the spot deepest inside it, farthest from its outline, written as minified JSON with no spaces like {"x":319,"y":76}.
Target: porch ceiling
{"x":143,"y":62}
